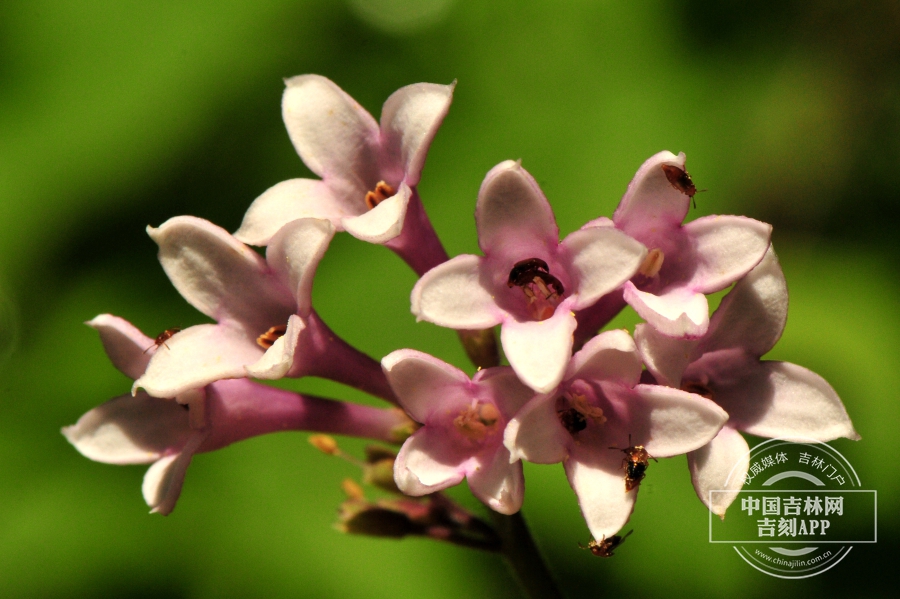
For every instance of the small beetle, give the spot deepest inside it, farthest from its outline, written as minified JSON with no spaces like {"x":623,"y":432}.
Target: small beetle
{"x":635,"y":464}
{"x":681,"y":180}
{"x":605,"y":547}
{"x":162,"y":338}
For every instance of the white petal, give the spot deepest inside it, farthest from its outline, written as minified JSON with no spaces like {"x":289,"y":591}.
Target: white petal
{"x":651,"y":202}
{"x":427,"y":463}
{"x":125,"y":345}
{"x":219,"y":275}
{"x":536,"y":434}
{"x":196,"y":357}
{"x":603,"y":258}
{"x":610,"y":356}
{"x":409,"y":120}
{"x":287,"y":201}
{"x":279,"y":358}
{"x":512,"y":210}
{"x":424,"y":384}
{"x":382,"y":223}
{"x":163,"y":480}
{"x":332,"y":133}
{"x":130,"y":430}
{"x":783,"y":400}
{"x":671,"y":422}
{"x":599,"y":483}
{"x":539,"y":351}
{"x":726,"y":247}
{"x":499,"y":483}
{"x":753,"y":314}
{"x":452,"y":295}
{"x":677,"y":313}
{"x":295,"y":253}
{"x":720,"y":465}
{"x":665,"y":357}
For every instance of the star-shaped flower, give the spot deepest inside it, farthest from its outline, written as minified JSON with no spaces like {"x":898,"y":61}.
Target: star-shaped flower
{"x":266,"y":326}
{"x":166,"y":433}
{"x":527,"y":281}
{"x":596,"y":414}
{"x":462,"y":428}
{"x":368,"y":172}
{"x":685,"y":261}
{"x":763,"y":398}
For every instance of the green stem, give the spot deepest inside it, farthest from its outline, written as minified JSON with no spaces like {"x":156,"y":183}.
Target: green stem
{"x":522,"y":556}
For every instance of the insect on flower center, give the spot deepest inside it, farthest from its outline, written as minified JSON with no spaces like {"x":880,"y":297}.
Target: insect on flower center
{"x":478,"y":420}
{"x":652,"y":264}
{"x":542,"y":291}
{"x":268,"y":339}
{"x":575,"y":413}
{"x":381,"y":192}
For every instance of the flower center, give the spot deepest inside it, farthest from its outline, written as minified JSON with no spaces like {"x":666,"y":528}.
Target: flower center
{"x":478,"y":420}
{"x":652,"y":263}
{"x":381,"y":192}
{"x":267,"y":339}
{"x":542,"y":290}
{"x":575,"y":412}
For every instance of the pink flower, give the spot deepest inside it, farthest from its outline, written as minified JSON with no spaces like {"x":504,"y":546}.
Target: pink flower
{"x":599,"y":408}
{"x":763,"y":398}
{"x":527,"y":281}
{"x":141,"y":429}
{"x":369,"y":173}
{"x":462,"y":432}
{"x":685,"y":261}
{"x":265,"y":327}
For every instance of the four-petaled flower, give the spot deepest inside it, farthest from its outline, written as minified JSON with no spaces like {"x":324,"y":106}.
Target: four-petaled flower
{"x":685,"y":261}
{"x":462,"y":428}
{"x":528,"y":281}
{"x":763,"y":398}
{"x":599,"y":409}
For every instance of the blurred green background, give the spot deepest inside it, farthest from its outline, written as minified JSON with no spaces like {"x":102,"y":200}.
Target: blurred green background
{"x":115,"y":115}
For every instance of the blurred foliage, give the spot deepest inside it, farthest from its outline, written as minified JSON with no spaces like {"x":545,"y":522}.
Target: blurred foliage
{"x":116,"y":115}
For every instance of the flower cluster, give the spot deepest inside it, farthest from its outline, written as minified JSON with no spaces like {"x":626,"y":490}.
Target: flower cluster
{"x":603,"y":404}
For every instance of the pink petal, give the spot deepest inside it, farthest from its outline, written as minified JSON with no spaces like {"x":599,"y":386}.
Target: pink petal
{"x":720,"y":465}
{"x":599,"y":483}
{"x":424,"y":384}
{"x":130,"y":430}
{"x":453,"y":295}
{"x":676,"y":313}
{"x":498,"y":483}
{"x":512,"y":212}
{"x":409,"y":120}
{"x":163,"y":481}
{"x":428,"y":462}
{"x":783,"y":400}
{"x":125,"y":345}
{"x":539,"y":351}
{"x":536,"y":434}
{"x":382,"y":223}
{"x":196,"y":357}
{"x":610,"y":356}
{"x":651,"y":203}
{"x":334,"y":136}
{"x":753,"y":314}
{"x":294,"y":253}
{"x":665,"y":357}
{"x":726,"y":247}
{"x":502,"y":384}
{"x":287,"y":201}
{"x":603,"y":259}
{"x":670,"y":421}
{"x":219,"y":275}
